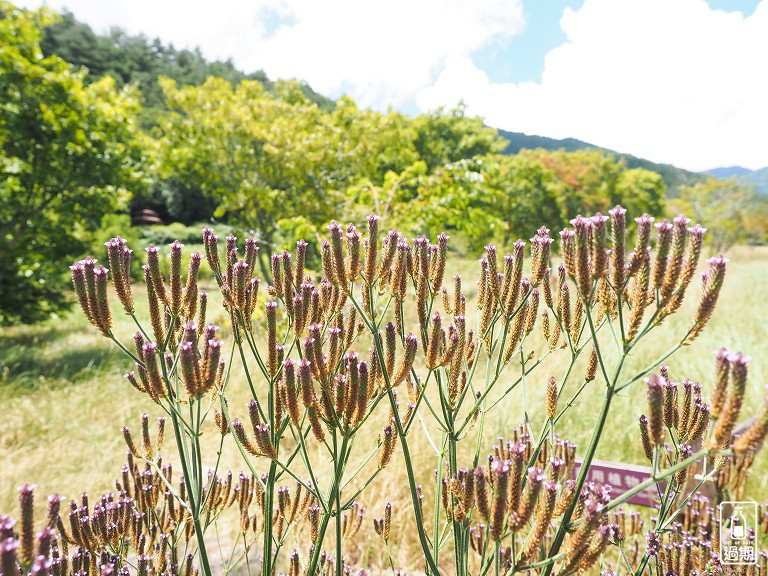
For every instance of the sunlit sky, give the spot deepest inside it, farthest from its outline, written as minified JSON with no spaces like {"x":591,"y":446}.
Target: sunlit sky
{"x":678,"y":81}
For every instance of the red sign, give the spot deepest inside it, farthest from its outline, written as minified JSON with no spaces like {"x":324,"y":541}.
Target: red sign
{"x":622,"y":478}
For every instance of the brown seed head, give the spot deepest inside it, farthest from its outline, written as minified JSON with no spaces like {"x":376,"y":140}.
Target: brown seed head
{"x":592,"y":364}
{"x":551,"y":398}
{"x":27,"y":531}
{"x":438,"y":271}
{"x":252,"y":252}
{"x":119,"y":256}
{"x":675,"y":260}
{"x":176,"y":286}
{"x":387,"y":448}
{"x":389,"y":248}
{"x":599,"y":249}
{"x":528,"y":499}
{"x":500,"y":470}
{"x":399,"y":278}
{"x":190,"y":369}
{"x":663,"y":247}
{"x":153,"y":261}
{"x":481,"y":493}
{"x":271,"y":313}
{"x":670,"y":404}
{"x":353,"y":253}
{"x":722,"y":369}
{"x":685,"y":451}
{"x":540,"y":249}
{"x":618,"y":233}
{"x":695,"y":242}
{"x":191,"y":287}
{"x":655,"y":394}
{"x":411,"y":346}
{"x":568,"y":250}
{"x":712,"y":283}
{"x":336,"y":234}
{"x":100,"y":305}
{"x":211,"y":243}
{"x":642,"y":242}
{"x":533,"y":311}
{"x":583,"y":227}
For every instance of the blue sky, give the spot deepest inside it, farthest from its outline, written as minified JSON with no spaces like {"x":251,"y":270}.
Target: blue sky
{"x":675,"y":81}
{"x":520,"y":58}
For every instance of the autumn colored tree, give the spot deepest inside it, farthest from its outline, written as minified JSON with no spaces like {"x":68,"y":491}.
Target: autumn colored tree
{"x":730,"y":210}
{"x":591,"y":181}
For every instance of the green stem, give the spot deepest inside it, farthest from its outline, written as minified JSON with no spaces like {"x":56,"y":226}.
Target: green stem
{"x":654,"y":479}
{"x":438,"y":487}
{"x":335,"y":487}
{"x":582,"y":477}
{"x":339,"y":563}
{"x":403,"y":443}
{"x":269,"y":496}
{"x":204,"y":564}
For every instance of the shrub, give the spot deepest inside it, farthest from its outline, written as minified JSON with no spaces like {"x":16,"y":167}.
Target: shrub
{"x":170,"y":232}
{"x":372,"y":346}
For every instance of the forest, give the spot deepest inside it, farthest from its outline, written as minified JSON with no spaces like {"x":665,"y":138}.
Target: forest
{"x":98,"y":126}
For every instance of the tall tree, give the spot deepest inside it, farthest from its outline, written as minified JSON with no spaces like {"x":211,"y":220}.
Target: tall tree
{"x":444,"y":136}
{"x":263,"y":156}
{"x":69,"y":153}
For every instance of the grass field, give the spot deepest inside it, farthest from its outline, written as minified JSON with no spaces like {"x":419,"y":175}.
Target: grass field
{"x":64,"y":400}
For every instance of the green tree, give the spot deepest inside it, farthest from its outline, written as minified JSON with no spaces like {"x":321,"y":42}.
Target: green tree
{"x":141,"y":61}
{"x":588,"y":181}
{"x":730,"y":210}
{"x":69,"y":154}
{"x":455,"y":198}
{"x":262,"y":156}
{"x":524,"y":196}
{"x":444,"y":136}
{"x":276,"y":163}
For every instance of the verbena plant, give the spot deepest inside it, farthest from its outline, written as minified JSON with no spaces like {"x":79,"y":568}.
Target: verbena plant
{"x":367,"y":350}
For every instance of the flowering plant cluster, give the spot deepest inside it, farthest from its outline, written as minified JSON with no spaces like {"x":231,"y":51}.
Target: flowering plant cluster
{"x":351,"y":362}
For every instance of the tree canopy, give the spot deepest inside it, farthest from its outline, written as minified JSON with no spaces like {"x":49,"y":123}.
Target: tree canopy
{"x":141,"y":61}
{"x":731,"y":211}
{"x":69,"y":153}
{"x":269,"y":158}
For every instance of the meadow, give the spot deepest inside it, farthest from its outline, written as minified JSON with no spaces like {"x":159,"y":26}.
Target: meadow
{"x":64,"y":400}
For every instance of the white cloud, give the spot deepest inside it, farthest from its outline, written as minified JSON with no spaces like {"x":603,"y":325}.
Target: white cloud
{"x":672,"y":82}
{"x":381,"y":53}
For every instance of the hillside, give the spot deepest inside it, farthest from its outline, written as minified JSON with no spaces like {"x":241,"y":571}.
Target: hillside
{"x":673,"y":176}
{"x":756,"y":178}
{"x":141,"y":60}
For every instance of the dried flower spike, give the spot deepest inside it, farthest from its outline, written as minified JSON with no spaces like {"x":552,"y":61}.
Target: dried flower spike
{"x":712,"y":283}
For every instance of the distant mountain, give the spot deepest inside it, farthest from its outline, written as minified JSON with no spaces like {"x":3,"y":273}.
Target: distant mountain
{"x":756,"y":178}
{"x":673,"y":177}
{"x":729,"y":172}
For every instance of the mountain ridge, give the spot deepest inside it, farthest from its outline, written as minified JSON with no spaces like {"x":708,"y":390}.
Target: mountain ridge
{"x":757,"y":178}
{"x":673,"y":176}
